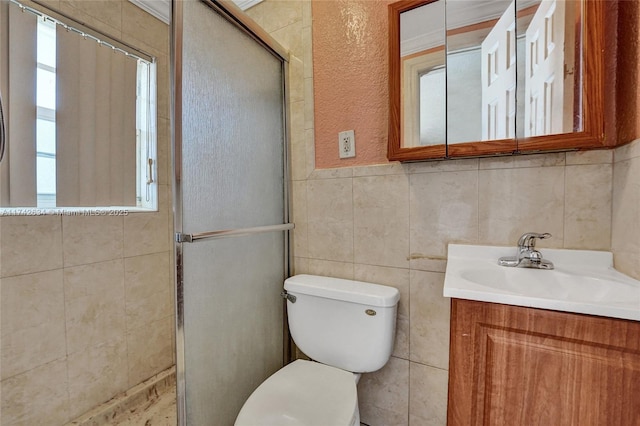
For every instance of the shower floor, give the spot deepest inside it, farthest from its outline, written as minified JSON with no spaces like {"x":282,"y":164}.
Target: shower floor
{"x":160,"y":412}
{"x":150,"y":403}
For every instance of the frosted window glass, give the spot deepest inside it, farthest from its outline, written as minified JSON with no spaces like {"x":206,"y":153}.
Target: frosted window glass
{"x":46,"y":136}
{"x":46,"y":43}
{"x":46,"y":83}
{"x":46,"y":175}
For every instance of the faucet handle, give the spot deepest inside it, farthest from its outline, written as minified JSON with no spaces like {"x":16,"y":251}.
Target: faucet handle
{"x":528,"y":240}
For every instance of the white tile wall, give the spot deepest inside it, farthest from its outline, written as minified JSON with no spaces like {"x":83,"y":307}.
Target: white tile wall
{"x":625,"y":241}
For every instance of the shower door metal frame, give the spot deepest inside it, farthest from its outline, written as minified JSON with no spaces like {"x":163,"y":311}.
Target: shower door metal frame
{"x":235,"y":15}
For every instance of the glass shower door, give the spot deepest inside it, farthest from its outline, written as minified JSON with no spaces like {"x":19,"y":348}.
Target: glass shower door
{"x":231,"y":220}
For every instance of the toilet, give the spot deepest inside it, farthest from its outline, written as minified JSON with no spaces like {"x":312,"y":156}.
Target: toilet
{"x":347,"y":328}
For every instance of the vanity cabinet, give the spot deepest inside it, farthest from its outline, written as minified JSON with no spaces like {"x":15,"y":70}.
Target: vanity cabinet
{"x":513,"y":365}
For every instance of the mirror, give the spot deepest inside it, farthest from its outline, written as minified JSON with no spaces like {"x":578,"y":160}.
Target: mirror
{"x":80,"y":115}
{"x":481,"y":77}
{"x":422,"y":58}
{"x":549,"y":38}
{"x":519,"y":76}
{"x":417,"y":76}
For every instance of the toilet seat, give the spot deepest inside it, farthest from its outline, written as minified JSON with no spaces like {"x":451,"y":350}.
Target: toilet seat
{"x":303,"y":393}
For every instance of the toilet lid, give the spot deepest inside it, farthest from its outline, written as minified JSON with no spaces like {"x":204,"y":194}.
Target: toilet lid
{"x":302,"y":393}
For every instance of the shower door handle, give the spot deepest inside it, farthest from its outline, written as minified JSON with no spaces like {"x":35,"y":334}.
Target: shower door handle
{"x":3,"y":134}
{"x":192,"y":238}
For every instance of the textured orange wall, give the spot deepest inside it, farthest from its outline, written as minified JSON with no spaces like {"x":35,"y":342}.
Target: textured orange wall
{"x":350,"y":56}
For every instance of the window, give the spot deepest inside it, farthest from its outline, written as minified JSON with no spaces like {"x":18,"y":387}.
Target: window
{"x":90,"y":138}
{"x":46,"y":114}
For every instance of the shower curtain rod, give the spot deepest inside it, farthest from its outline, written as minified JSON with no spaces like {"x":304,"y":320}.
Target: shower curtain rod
{"x":44,"y":15}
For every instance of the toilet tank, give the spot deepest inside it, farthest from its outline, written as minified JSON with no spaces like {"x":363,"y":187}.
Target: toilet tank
{"x":343,"y":323}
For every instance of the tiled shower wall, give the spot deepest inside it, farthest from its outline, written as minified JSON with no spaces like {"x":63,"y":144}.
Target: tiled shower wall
{"x":391,"y":224}
{"x":87,"y":301}
{"x":625,"y":241}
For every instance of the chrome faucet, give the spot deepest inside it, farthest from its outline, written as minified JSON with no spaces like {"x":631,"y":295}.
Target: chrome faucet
{"x":527,"y":255}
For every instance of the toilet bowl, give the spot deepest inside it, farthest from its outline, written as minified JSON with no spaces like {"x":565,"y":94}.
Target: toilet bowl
{"x":347,"y":327}
{"x":303,"y":393}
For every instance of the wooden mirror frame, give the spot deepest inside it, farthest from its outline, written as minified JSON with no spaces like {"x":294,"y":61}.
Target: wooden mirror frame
{"x":592,"y":135}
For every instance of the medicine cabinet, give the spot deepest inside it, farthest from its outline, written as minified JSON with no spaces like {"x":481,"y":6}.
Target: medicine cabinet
{"x":494,"y":77}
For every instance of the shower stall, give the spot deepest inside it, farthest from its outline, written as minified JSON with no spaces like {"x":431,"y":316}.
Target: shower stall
{"x":230,"y":208}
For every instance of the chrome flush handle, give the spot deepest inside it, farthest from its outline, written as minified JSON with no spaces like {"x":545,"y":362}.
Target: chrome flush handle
{"x":290,"y":297}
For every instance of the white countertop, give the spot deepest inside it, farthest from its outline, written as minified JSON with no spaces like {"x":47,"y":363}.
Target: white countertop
{"x":582,"y":282}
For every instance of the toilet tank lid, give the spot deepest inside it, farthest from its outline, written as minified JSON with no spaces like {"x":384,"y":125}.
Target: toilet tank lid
{"x":340,"y":289}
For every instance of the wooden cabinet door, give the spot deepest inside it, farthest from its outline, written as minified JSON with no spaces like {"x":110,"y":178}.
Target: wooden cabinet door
{"x":520,"y":366}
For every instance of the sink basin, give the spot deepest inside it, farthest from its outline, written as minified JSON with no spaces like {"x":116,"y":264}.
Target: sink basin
{"x":582,"y":281}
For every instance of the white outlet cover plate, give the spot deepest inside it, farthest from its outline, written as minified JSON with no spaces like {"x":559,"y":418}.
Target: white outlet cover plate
{"x":348,"y":151}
